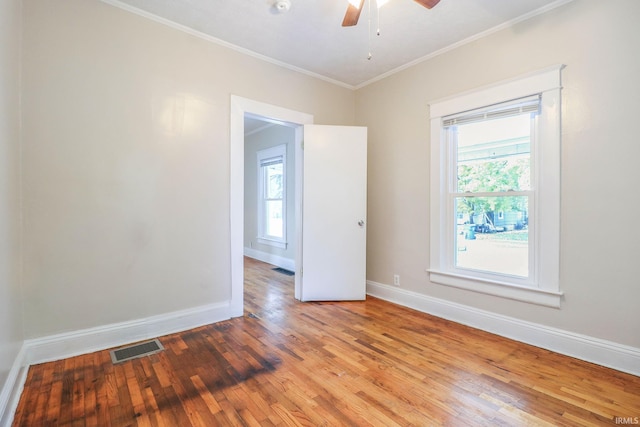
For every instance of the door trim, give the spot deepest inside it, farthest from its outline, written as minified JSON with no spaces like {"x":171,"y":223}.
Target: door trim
{"x":238,"y":108}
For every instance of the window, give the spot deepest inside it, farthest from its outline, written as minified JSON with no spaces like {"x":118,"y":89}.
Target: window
{"x":489,"y":163}
{"x":272,"y":196}
{"x":495,"y":181}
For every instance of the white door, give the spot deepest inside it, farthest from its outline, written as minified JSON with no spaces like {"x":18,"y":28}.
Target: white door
{"x":334,"y":207}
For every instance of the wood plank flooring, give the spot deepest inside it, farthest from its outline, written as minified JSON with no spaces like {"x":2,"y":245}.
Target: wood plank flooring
{"x":369,"y":363}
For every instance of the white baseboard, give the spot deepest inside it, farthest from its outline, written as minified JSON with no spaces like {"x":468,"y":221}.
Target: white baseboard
{"x":61,"y":346}
{"x":12,"y":389}
{"x":278,"y":261}
{"x":606,"y":353}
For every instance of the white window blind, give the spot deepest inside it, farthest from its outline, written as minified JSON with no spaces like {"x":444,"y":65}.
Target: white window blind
{"x":271,"y":161}
{"x":530,"y":104}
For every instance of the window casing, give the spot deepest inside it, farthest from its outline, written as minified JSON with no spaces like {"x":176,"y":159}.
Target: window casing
{"x":462,"y":204}
{"x":272,"y":206}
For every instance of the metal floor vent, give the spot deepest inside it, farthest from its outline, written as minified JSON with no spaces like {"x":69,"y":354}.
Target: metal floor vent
{"x":284,"y":271}
{"x":137,"y":350}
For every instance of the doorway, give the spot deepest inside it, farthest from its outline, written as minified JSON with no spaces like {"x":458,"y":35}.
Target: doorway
{"x":269,"y":189}
{"x":241,"y":107}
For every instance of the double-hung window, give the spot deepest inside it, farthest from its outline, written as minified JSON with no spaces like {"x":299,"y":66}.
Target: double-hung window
{"x":272,"y":196}
{"x":495,"y":182}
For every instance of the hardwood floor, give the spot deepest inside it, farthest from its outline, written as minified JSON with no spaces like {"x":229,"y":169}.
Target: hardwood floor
{"x":287,"y":363}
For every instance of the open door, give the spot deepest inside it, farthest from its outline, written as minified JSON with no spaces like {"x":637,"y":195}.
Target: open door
{"x":334,"y":207}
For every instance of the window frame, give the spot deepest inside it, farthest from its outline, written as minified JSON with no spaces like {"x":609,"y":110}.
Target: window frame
{"x":276,"y":152}
{"x":544,"y":286}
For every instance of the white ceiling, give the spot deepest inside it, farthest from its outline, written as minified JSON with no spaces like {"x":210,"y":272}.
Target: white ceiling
{"x":310,"y":38}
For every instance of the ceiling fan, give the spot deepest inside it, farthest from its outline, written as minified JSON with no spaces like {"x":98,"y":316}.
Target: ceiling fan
{"x":353,"y":10}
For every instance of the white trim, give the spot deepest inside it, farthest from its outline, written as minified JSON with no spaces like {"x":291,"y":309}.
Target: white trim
{"x":505,"y":90}
{"x":491,"y":287}
{"x":12,"y":389}
{"x":220,"y":42}
{"x":239,"y":107}
{"x":201,"y":35}
{"x":543,"y":281}
{"x":278,"y":261}
{"x":69,"y":344}
{"x":602,"y":352}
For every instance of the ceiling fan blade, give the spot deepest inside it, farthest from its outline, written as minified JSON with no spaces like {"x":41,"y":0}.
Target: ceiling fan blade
{"x":352,"y":15}
{"x":428,"y":3}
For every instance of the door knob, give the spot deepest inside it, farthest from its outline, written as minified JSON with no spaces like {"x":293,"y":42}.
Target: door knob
{"x":361,"y":223}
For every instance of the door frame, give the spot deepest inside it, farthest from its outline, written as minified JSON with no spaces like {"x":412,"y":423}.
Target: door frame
{"x":240,"y":106}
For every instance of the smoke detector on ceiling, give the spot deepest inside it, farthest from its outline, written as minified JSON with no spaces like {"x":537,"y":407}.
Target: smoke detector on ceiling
{"x":283,"y":6}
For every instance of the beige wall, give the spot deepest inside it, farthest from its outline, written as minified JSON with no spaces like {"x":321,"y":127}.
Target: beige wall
{"x":599,"y":43}
{"x":126,"y":162}
{"x":270,"y":137}
{"x":11,"y":329}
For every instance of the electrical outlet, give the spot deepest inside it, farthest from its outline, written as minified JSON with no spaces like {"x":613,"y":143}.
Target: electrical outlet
{"x":396,"y":280}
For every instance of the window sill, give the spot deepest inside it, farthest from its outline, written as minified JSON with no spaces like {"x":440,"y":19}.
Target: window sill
{"x":274,"y":243}
{"x":500,"y":289}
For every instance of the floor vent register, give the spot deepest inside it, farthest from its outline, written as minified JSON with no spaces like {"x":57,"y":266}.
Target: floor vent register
{"x":135,"y":351}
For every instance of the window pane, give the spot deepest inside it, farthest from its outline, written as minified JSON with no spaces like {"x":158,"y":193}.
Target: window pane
{"x":274,"y":224}
{"x":494,"y":155}
{"x":273,"y":181}
{"x":492,"y":234}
